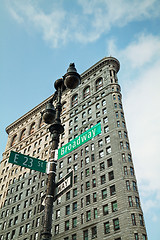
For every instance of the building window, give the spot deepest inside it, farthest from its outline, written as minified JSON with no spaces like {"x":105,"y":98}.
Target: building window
{"x":141,"y":220}
{"x":127,"y":145}
{"x":104,"y":193}
{"x":108,"y":150}
{"x":87,"y":160}
{"x":116,"y":224}
{"x":99,"y":83}
{"x":106,"y":129}
{"x":75,"y":192}
{"x":128,"y":185}
{"x":56,"y":229}
{"x":111,"y":175}
{"x":89,"y":111}
{"x":75,"y":167}
{"x":93,"y":182}
{"x":32,"y":128}
{"x":125,"y":170}
{"x":123,"y":157}
{"x":112,"y":190}
{"x":104,"y":110}
{"x":87,"y":185}
{"x":98,"y":114}
{"x":97,"y":106}
{"x":60,"y":175}
{"x":100,"y":143}
{"x":88,"y":216}
{"x":64,"y":107}
{"x":106,"y":228}
{"x":22,"y":134}
{"x":94,"y":232}
{"x":123,"y":124}
{"x":105,"y":209}
{"x":129,"y":158}
{"x":101,"y":154}
{"x":136,"y":236}
{"x":103,"y":179}
{"x":92,"y":158}
{"x":88,"y":200}
{"x":109,"y":162}
{"x":121,"y":145}
{"x":107,"y":139}
{"x":66,"y":225}
{"x":14,"y":140}
{"x":114,"y":206}
{"x":95,"y":213}
{"x":95,"y":197}
{"x":102,"y":166}
{"x":144,"y":237}
{"x":104,"y":102}
{"x":85,"y":235}
{"x":132,"y":171}
{"x":118,"y":123}
{"x":137,"y":202}
{"x":133,"y":219}
{"x":74,"y":100}
{"x":93,"y":169}
{"x":134,"y":186}
{"x":74,"y":206}
{"x":74,"y":222}
{"x":58,"y":214}
{"x":125,"y":135}
{"x":86,"y":92}
{"x":83,"y":114}
{"x":120,"y":134}
{"x":27,"y":227}
{"x":130,"y":201}
{"x":21,"y":230}
{"x":74,"y":237}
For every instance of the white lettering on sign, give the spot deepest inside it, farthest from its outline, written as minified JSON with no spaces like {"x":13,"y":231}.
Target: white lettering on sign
{"x":64,"y":185}
{"x":28,"y":162}
{"x":16,"y":158}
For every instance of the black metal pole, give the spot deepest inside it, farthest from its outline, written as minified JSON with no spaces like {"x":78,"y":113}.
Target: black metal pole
{"x":70,"y":80}
{"x":55,"y":129}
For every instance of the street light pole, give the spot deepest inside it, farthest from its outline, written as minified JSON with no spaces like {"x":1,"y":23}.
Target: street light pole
{"x":52,"y":116}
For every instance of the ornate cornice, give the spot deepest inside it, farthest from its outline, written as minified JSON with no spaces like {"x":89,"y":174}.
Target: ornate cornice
{"x":103,"y":62}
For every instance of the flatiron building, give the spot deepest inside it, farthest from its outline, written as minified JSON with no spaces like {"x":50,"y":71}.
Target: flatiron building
{"x":103,"y":202}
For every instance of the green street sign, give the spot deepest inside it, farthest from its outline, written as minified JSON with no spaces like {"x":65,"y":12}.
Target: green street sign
{"x":78,"y":141}
{"x":27,"y":161}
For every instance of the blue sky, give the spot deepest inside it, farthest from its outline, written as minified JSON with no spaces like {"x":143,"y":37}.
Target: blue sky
{"x":39,"y":38}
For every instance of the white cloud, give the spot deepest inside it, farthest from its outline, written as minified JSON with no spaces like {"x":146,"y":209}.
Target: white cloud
{"x":141,"y":59}
{"x":85,"y":24}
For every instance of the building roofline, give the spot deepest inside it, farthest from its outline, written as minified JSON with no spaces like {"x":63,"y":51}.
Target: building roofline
{"x":104,"y":61}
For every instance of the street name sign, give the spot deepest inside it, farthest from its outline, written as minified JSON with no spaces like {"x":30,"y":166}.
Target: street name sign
{"x":27,"y":161}
{"x":78,"y":141}
{"x":64,"y":184}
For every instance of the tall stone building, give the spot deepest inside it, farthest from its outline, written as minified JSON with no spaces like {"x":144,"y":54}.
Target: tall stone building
{"x":104,"y":201}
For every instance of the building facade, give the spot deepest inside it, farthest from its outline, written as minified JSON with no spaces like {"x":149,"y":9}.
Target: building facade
{"x":104,"y":200}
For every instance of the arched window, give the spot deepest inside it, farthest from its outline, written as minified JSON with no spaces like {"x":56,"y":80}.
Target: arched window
{"x":32,"y":128}
{"x":13,"y":140}
{"x":74,"y":100}
{"x":41,"y":122}
{"x":99,"y":83}
{"x":86,"y":92}
{"x":64,"y":107}
{"x":22,"y":134}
